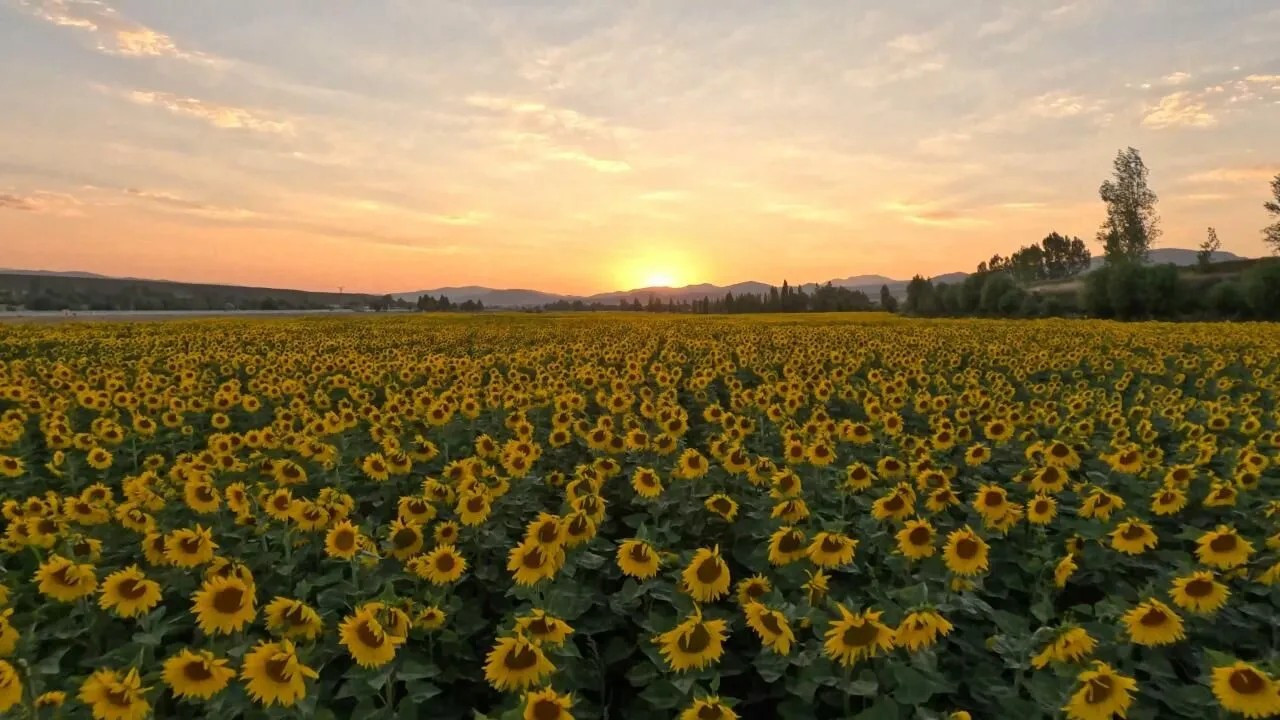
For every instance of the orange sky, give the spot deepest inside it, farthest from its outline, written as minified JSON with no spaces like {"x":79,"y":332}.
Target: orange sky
{"x":582,"y":147}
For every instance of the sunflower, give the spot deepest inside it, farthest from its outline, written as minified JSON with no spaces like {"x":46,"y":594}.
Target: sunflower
{"x":113,"y":697}
{"x":1245,"y":689}
{"x":646,"y":483}
{"x":722,"y":505}
{"x":1223,"y":548}
{"x":857,"y":635}
{"x":915,"y":539}
{"x":365,"y":638}
{"x":199,"y":675}
{"x":430,"y":618}
{"x":1103,"y":694}
{"x":1100,"y":504}
{"x":694,"y":643}
{"x":404,"y":539}
{"x":446,"y":533}
{"x":290,"y":618}
{"x":9,"y":635}
{"x":530,"y":563}
{"x":941,"y":499}
{"x":474,"y":508}
{"x":752,"y":589}
{"x":342,"y":541}
{"x":638,"y":559}
{"x":546,"y":530}
{"x":829,"y":549}
{"x":921,"y":629}
{"x":771,"y":626}
{"x":1060,"y":454}
{"x":786,"y":545}
{"x":816,"y":587}
{"x":707,"y":576}
{"x":223,"y":605}
{"x":10,"y":686}
{"x":64,"y":580}
{"x":1070,"y":644}
{"x":991,"y":502}
{"x":1041,"y":510}
{"x":515,"y":663}
{"x":187,"y":547}
{"x":274,"y":675}
{"x":50,"y":699}
{"x":895,"y":505}
{"x":543,"y":629}
{"x":998,"y":430}
{"x":442,"y":566}
{"x":1152,"y":623}
{"x":547,"y":704}
{"x":128,"y":592}
{"x":1168,"y":500}
{"x":976,"y":455}
{"x":708,"y":708}
{"x":965,"y":552}
{"x":1133,"y":537}
{"x":1199,"y":592}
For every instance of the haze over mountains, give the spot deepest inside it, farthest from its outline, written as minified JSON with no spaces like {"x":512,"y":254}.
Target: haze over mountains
{"x":521,"y":297}
{"x":869,"y":284}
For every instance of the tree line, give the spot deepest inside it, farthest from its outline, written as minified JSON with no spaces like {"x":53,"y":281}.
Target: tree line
{"x":824,"y":298}
{"x":1126,"y":287}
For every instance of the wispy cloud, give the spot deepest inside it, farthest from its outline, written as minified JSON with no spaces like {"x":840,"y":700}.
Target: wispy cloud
{"x":555,"y":133}
{"x":1176,"y":78}
{"x":41,"y":201}
{"x":1234,"y":175}
{"x":807,"y":212}
{"x":932,"y":215}
{"x":113,"y":33}
{"x":227,"y":117}
{"x":1061,"y":104}
{"x":1180,"y":109}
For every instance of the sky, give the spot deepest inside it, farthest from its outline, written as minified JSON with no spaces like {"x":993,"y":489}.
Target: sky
{"x":581,"y":146}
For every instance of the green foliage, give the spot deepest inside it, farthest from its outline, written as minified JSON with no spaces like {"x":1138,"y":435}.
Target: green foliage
{"x":1271,"y":233}
{"x":1210,"y":246}
{"x":1226,"y":299}
{"x":1132,"y":224}
{"x":1261,"y":284}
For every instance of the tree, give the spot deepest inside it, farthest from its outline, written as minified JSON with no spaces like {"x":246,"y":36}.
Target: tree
{"x":1028,"y":264}
{"x":1271,"y":233}
{"x":888,"y":302}
{"x":920,"y":297}
{"x":1262,"y":289}
{"x":1132,"y":224}
{"x":1210,"y":246}
{"x":1064,"y":256}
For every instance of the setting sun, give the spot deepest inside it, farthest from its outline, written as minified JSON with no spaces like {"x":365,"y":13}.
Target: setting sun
{"x":659,"y":278}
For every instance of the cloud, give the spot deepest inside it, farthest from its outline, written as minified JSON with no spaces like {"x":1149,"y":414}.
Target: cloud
{"x":1060,"y":104}
{"x":932,"y":216}
{"x":807,"y":212}
{"x":1176,"y":78}
{"x":1263,"y":79}
{"x":41,"y":201}
{"x":1234,"y":175}
{"x":114,"y":33}
{"x":554,"y":133}
{"x":945,"y":144}
{"x":221,"y":116}
{"x":177,"y":203}
{"x":1180,"y":109}
{"x":907,"y":43}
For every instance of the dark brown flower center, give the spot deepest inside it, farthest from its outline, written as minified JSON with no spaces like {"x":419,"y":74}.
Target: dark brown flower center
{"x":405,"y":538}
{"x":859,"y":635}
{"x":1134,"y":532}
{"x":966,"y":548}
{"x":639,"y":553}
{"x":722,"y":505}
{"x":533,"y":559}
{"x":522,"y":659}
{"x":790,"y":542}
{"x":1199,"y":588}
{"x":190,"y":545}
{"x":770,"y":623}
{"x":1154,"y":617}
{"x":695,"y":641}
{"x":709,"y":570}
{"x":1223,"y":543}
{"x":370,"y":637}
{"x":344,"y":540}
{"x":993,"y":498}
{"x":1098,"y":690}
{"x":228,"y":601}
{"x":894,"y":503}
{"x":1246,"y":682}
{"x":919,"y":535}
{"x":544,"y":709}
{"x":278,"y":670}
{"x":197,"y":671}
{"x":131,"y":589}
{"x":475,"y":504}
{"x":710,"y":712}
{"x":549,"y":531}
{"x":445,"y":562}
{"x":831,"y":544}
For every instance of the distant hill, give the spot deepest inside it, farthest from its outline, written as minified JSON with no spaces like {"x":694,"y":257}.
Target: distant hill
{"x":18,"y":282}
{"x":1171,"y":256}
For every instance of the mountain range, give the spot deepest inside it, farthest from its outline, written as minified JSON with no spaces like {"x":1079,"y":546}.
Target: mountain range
{"x":869,"y":284}
{"x":524,"y":298}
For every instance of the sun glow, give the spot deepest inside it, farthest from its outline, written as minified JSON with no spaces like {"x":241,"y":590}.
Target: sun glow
{"x":656,"y":267}
{"x":659,"y":278}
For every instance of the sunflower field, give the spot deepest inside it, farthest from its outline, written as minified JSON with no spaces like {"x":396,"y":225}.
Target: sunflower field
{"x":627,"y":516}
